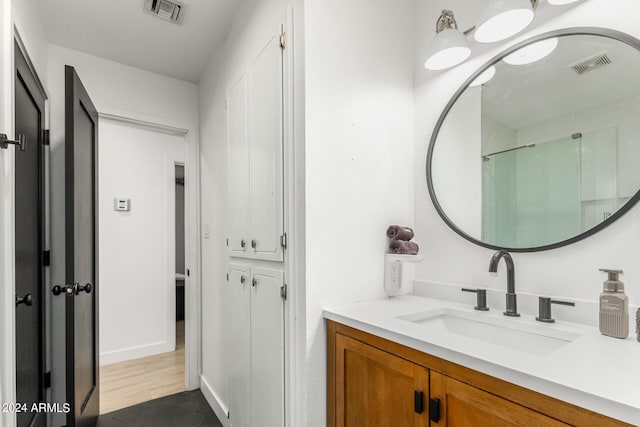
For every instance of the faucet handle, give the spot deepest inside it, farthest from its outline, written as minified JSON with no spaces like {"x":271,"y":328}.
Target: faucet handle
{"x":481,"y":298}
{"x":544,"y":308}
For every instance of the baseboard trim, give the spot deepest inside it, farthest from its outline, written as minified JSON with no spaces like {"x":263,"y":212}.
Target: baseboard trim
{"x":219,"y":408}
{"x":135,"y":352}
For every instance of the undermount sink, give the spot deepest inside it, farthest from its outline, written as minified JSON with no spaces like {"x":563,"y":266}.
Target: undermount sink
{"x":506,"y":332}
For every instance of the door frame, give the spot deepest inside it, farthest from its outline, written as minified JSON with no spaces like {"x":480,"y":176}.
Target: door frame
{"x":193,"y":326}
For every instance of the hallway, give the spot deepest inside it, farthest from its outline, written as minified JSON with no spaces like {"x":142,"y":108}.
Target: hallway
{"x":135,"y":381}
{"x":178,"y":410}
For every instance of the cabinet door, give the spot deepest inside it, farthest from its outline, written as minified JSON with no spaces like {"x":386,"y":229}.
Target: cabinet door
{"x":238,"y":168}
{"x":376,"y":388}
{"x":267,"y":349}
{"x":265,"y":153}
{"x":239,"y":339}
{"x":462,"y":405}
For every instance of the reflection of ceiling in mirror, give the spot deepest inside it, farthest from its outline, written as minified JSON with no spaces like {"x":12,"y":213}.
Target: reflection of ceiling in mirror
{"x":521,"y":96}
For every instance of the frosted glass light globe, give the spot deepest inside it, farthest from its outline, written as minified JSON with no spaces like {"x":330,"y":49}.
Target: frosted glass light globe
{"x":484,"y":77}
{"x":502,"y":19}
{"x":448,"y":49}
{"x":532,"y":53}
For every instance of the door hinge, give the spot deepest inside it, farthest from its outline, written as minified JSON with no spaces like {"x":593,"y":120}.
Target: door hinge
{"x":283,"y":40}
{"x":434,"y":409}
{"x":283,"y":291}
{"x":226,"y":104}
{"x":46,"y":258}
{"x":227,"y":242}
{"x":227,"y":277}
{"x":283,"y":241}
{"x":45,"y":137}
{"x":46,"y":380}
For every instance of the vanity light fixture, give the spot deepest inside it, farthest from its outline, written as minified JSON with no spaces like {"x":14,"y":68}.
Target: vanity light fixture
{"x":484,"y":77}
{"x":502,"y":19}
{"x":449,"y":47}
{"x":532,"y":53}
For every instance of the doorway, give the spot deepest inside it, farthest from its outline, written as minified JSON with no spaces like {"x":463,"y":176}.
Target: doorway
{"x":180,"y":256}
{"x":142,"y":350}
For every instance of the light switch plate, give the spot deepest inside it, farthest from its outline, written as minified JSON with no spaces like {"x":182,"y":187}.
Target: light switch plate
{"x":121,"y":205}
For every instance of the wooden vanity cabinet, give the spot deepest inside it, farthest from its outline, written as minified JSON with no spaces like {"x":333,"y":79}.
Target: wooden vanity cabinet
{"x":380,"y":389}
{"x":462,"y":405}
{"x":375,"y":382}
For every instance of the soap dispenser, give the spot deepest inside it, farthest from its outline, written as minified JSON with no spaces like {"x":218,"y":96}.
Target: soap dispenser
{"x":614,"y":306}
{"x":398,"y":273}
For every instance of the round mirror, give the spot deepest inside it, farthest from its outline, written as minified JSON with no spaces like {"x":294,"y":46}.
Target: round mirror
{"x":540,"y":147}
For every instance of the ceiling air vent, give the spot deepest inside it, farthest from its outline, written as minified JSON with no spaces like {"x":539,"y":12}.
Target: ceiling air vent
{"x":171,"y":11}
{"x":591,"y":64}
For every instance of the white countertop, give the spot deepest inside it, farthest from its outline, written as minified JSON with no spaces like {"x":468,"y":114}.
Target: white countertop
{"x":595,"y":372}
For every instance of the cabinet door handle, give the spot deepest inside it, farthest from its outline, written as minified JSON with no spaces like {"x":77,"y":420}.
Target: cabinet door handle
{"x":418,"y":401}
{"x":254,"y":283}
{"x":243,"y":244}
{"x":434,"y":409}
{"x":254,"y":244}
{"x":243,"y":279}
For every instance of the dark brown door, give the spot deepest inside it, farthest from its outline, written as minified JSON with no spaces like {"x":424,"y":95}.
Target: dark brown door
{"x":29,"y":188}
{"x":81,"y":308}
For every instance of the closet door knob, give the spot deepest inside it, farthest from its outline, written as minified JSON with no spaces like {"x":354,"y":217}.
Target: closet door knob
{"x":66,"y":289}
{"x":86,"y":288}
{"x":26,"y":300}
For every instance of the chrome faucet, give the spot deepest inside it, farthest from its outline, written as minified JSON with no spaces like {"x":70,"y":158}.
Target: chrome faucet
{"x":512,"y":305}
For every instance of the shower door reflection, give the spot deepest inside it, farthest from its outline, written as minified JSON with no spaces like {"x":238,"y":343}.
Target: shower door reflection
{"x":535,"y":195}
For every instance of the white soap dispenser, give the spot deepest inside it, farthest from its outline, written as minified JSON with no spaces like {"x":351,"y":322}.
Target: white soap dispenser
{"x":398,"y":273}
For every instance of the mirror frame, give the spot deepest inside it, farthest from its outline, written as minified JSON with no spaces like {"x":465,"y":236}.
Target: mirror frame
{"x":591,"y":31}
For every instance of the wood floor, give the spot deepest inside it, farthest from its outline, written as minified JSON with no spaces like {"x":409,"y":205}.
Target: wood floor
{"x":128,"y":383}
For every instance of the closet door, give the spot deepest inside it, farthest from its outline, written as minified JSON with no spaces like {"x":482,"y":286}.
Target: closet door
{"x":239,"y":341}
{"x":267,"y":348}
{"x":238,"y":168}
{"x":265,"y":153}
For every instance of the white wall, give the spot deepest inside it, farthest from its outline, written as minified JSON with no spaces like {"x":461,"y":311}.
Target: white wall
{"x":7,"y":251}
{"x":137,"y":248}
{"x":570,"y":272}
{"x":359,"y":168}
{"x":116,"y":88}
{"x":256,"y":22}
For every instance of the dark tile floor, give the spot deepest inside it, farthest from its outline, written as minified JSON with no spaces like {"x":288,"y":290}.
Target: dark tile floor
{"x":186,"y":409}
